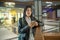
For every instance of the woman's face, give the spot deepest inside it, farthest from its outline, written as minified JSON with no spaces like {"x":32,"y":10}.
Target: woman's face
{"x":28,"y":12}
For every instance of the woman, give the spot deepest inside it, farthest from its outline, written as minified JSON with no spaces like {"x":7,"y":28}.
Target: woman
{"x":27,"y":25}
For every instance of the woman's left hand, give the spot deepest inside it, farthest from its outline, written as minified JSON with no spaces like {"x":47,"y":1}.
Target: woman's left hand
{"x":36,"y":23}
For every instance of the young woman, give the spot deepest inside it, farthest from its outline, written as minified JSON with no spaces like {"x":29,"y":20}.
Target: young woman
{"x":27,"y":25}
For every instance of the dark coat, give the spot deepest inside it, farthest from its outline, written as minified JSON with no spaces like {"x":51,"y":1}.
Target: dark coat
{"x":24,"y":29}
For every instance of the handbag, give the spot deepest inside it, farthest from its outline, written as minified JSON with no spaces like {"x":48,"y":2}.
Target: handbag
{"x":38,"y":34}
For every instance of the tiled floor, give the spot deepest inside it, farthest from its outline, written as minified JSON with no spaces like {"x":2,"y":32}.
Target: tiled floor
{"x":6,"y":34}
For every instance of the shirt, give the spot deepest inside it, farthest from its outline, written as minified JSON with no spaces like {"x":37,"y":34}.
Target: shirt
{"x":31,"y":37}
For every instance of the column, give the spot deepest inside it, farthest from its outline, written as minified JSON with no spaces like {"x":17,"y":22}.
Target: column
{"x":38,"y":9}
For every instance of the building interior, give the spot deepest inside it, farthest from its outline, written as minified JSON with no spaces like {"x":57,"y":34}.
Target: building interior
{"x":47,"y":11}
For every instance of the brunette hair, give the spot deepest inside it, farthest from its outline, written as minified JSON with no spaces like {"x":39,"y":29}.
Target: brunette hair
{"x":24,"y":14}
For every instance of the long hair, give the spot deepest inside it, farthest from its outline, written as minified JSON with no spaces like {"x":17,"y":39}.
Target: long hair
{"x":24,"y":14}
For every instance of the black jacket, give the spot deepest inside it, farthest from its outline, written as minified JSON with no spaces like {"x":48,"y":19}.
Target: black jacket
{"x":24,"y":29}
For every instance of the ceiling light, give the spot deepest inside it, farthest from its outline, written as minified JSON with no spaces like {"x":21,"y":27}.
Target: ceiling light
{"x":9,"y":4}
{"x":49,"y":2}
